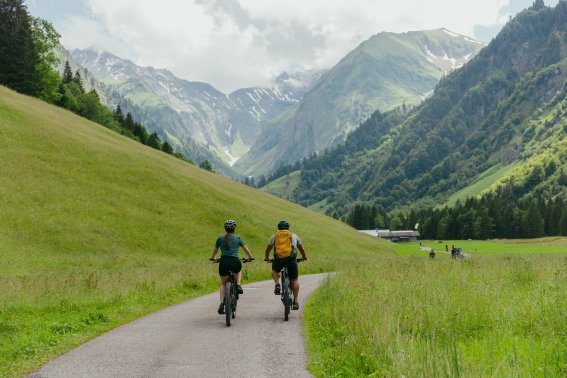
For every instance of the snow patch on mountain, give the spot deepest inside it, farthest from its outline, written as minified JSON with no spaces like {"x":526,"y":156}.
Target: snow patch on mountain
{"x":228,"y":131}
{"x":474,"y":41}
{"x":452,"y":34}
{"x":454,"y":63}
{"x":232,"y":159}
{"x":457,"y":35}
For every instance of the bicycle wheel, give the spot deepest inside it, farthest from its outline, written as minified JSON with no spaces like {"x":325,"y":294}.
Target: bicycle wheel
{"x":286,"y":297}
{"x":234,"y":300}
{"x":228,"y":302}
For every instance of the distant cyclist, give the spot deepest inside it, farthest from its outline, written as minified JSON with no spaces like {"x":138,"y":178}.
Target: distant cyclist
{"x":229,"y":261}
{"x":285,"y":245}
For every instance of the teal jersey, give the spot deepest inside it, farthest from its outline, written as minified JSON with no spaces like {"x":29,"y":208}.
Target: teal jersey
{"x":234,"y":243}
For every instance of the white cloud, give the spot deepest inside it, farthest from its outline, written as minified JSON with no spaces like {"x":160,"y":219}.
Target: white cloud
{"x":237,"y":43}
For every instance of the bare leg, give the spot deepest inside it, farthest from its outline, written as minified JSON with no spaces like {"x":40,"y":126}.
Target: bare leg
{"x":238,"y":277}
{"x":276,"y":276}
{"x":295,"y":289}
{"x":224,"y":280}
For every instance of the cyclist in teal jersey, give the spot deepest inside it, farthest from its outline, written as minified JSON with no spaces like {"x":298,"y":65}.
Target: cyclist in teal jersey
{"x":229,"y":261}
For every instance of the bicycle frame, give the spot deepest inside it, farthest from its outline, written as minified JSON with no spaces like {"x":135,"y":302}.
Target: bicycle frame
{"x":230,"y":294}
{"x":286,"y":289}
{"x":286,"y":292}
{"x":230,"y":298}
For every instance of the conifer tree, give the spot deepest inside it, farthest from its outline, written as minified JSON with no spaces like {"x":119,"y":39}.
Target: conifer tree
{"x":141,"y":133}
{"x":94,"y":93}
{"x":67,"y":73}
{"x":154,"y":142}
{"x":534,"y":222}
{"x":166,"y":147}
{"x":129,"y":122}
{"x":563,"y":224}
{"x":538,"y":4}
{"x":79,"y":81}
{"x":118,"y":115}
{"x":18,"y":54}
{"x":207,"y":165}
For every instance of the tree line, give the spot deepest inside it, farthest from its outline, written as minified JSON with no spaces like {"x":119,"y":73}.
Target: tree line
{"x":488,"y":217}
{"x":27,"y":61}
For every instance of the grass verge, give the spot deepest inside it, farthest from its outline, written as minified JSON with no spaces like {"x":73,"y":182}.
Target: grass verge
{"x":490,"y":315}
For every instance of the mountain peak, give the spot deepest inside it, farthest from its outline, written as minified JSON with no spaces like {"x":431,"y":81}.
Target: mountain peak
{"x":386,"y":71}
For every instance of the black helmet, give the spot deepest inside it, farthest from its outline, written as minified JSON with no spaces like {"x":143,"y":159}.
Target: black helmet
{"x":283,"y":225}
{"x":230,"y":225}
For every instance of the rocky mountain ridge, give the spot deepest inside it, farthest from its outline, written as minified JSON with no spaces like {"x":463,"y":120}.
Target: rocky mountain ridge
{"x":386,"y":71}
{"x":250,"y":131}
{"x":185,"y":112}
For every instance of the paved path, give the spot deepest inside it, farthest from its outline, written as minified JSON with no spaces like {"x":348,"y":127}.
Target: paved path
{"x":192,"y":340}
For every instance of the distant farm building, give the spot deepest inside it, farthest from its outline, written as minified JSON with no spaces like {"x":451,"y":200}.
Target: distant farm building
{"x":394,"y":236}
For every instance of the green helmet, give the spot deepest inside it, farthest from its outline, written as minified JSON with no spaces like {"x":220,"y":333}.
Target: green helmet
{"x":283,"y":225}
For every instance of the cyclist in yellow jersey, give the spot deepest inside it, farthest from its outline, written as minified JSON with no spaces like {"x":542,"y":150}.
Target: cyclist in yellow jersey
{"x":290,"y":261}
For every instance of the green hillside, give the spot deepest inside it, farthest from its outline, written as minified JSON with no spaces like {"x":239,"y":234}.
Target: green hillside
{"x":506,"y":106}
{"x":484,"y":182}
{"x":97,"y":229}
{"x":284,"y":186}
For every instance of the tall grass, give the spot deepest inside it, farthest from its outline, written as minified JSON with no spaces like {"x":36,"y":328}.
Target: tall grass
{"x":490,"y":316}
{"x":96,"y":230}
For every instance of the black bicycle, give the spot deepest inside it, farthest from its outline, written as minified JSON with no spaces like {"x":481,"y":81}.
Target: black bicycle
{"x":286,"y":290}
{"x":230,"y":293}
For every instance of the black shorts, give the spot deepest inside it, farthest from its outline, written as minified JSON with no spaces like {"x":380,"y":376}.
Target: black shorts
{"x":291,"y":263}
{"x":229,"y":264}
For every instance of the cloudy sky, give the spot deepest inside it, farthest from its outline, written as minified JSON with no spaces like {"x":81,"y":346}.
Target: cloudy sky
{"x":234,"y":44}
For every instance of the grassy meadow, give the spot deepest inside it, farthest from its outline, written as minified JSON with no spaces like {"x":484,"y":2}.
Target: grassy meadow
{"x":486,"y":247}
{"x":96,"y":230}
{"x":500,"y":312}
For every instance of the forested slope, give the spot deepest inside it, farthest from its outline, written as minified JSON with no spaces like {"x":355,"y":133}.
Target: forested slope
{"x":506,"y":105}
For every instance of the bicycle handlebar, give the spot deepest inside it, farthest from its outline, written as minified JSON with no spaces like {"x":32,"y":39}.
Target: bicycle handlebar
{"x":243,"y":259}
{"x":298,"y":260}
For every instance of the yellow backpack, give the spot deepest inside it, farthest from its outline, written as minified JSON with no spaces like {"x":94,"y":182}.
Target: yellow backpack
{"x":282,"y":244}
